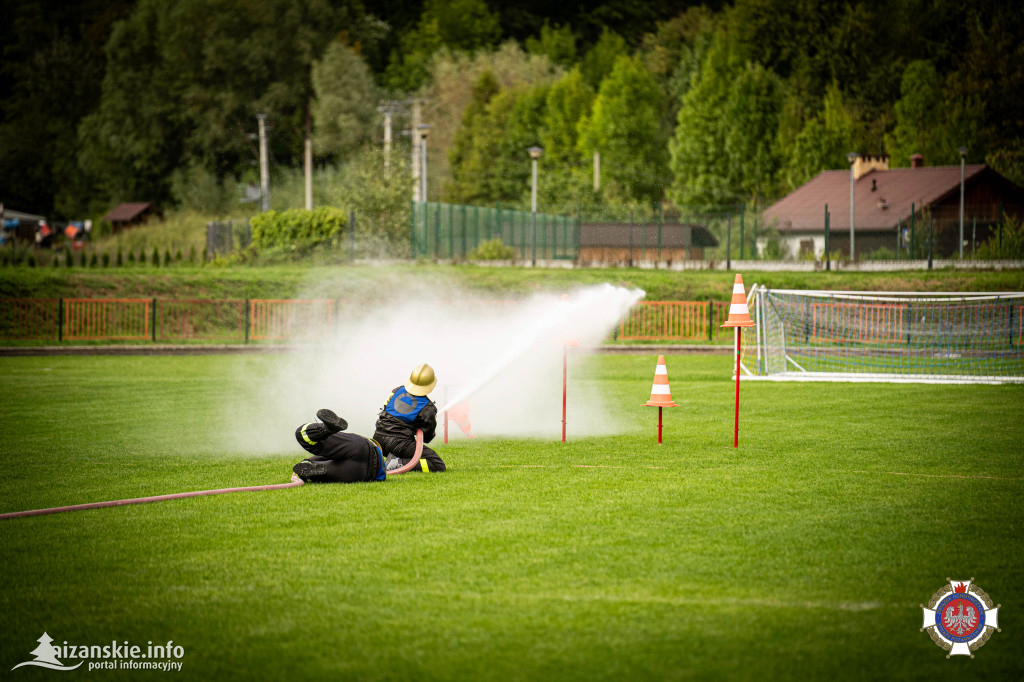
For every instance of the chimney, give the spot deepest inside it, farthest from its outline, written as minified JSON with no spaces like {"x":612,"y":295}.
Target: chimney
{"x":917,"y":161}
{"x":867,"y":163}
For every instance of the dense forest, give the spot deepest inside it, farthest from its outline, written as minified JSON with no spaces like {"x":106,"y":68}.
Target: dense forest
{"x":104,"y":101}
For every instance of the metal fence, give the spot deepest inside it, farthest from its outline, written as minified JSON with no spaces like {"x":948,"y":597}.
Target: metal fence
{"x":450,"y":231}
{"x":223,"y":237}
{"x":675,"y":321}
{"x":245,"y":320}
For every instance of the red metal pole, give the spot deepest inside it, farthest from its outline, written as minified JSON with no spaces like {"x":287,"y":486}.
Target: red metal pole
{"x":565,"y":364}
{"x":659,"y":426}
{"x":736,"y":433}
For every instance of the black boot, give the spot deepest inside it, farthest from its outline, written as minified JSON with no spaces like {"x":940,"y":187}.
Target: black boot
{"x":309,"y":470}
{"x":332,"y":422}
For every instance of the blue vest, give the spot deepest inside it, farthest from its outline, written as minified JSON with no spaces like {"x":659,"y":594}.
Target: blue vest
{"x":405,"y":405}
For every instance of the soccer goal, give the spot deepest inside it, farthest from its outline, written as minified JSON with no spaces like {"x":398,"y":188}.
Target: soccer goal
{"x":908,"y":337}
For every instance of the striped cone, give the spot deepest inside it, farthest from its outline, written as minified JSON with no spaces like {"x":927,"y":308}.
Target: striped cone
{"x":661,"y":395}
{"x":460,"y":413}
{"x":739,"y":315}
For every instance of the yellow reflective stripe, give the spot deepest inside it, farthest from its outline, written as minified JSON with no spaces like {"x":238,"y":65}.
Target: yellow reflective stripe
{"x":305,"y":437}
{"x":423,"y":465}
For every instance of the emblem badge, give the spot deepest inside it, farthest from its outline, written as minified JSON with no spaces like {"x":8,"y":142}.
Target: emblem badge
{"x":960,"y":618}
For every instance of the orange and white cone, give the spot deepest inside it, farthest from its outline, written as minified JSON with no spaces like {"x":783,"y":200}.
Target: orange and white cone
{"x":739,"y":314}
{"x":661,"y":394}
{"x":460,"y":413}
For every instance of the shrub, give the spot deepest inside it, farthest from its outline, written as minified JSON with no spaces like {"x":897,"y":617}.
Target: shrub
{"x":493,"y":249}
{"x":1011,"y":246}
{"x":296,"y":231}
{"x":106,"y":260}
{"x":192,"y":254}
{"x":81,"y":258}
{"x":68,"y":258}
{"x":120,"y":259}
{"x":155,"y":260}
{"x":882,"y":253}
{"x":94,"y":261}
{"x":167,"y":257}
{"x":31,"y":262}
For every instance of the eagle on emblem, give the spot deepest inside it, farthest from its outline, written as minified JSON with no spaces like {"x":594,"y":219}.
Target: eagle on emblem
{"x":960,"y":622}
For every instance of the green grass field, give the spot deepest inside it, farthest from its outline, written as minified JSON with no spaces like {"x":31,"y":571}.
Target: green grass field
{"x":802,"y":555}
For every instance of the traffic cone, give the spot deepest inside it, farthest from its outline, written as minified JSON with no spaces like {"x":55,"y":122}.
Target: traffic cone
{"x":739,"y":315}
{"x":460,"y":413}
{"x":661,"y":395}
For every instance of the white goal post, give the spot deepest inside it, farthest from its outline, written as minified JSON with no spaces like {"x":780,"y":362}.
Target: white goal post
{"x":902,"y":337}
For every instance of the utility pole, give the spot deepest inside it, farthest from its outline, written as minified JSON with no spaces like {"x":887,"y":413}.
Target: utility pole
{"x":597,"y":171}
{"x":309,"y":160}
{"x":963,"y":158}
{"x":416,"y":152}
{"x":264,"y":165}
{"x":387,"y":139}
{"x":852,"y":158}
{"x":422,"y":130}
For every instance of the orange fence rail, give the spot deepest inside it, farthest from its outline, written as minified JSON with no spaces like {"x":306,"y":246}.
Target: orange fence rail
{"x":120,"y":319}
{"x":674,"y":321}
{"x":292,"y":319}
{"x":25,"y":319}
{"x":857,"y":322}
{"x":140,"y":319}
{"x":201,"y":319}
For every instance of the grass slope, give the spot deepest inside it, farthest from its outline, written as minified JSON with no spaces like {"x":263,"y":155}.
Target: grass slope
{"x":804,"y":554}
{"x":379,"y":281}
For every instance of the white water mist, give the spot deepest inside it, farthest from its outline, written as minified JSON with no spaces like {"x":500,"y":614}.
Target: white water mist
{"x":504,"y":360}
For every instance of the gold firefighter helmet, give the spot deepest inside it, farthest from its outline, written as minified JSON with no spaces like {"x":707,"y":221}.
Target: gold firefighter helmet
{"x":421,"y":381}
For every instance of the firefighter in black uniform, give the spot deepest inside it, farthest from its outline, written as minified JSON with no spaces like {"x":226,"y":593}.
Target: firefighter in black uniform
{"x":407,"y":409}
{"x":337,"y":457}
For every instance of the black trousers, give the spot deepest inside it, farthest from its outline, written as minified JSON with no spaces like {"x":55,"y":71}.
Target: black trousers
{"x":405,"y":448}
{"x":349,"y":457}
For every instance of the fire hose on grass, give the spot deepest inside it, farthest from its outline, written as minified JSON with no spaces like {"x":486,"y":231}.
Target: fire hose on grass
{"x":295,"y":483}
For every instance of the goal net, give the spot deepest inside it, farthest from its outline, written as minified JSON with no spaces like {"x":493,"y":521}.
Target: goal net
{"x":896,"y":337}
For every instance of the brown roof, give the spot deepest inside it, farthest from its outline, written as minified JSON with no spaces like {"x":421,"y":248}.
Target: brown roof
{"x":900,"y":188}
{"x":125,"y":212}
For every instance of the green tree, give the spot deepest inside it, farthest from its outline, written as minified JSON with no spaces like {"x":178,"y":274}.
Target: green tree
{"x":184,"y":81}
{"x":822,"y":144}
{"x":699,"y":167}
{"x":458,"y":25}
{"x":493,"y":164}
{"x":345,"y":107}
{"x":467,"y":160}
{"x":918,"y":117}
{"x":557,"y":43}
{"x":569,"y":100}
{"x":625,"y":127}
{"x":750,"y":120}
{"x":602,"y":57}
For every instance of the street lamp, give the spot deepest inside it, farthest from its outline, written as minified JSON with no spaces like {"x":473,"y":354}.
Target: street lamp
{"x":963,"y":157}
{"x":535,"y":154}
{"x":852,"y":158}
{"x":264,"y":164}
{"x":423,"y":129}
